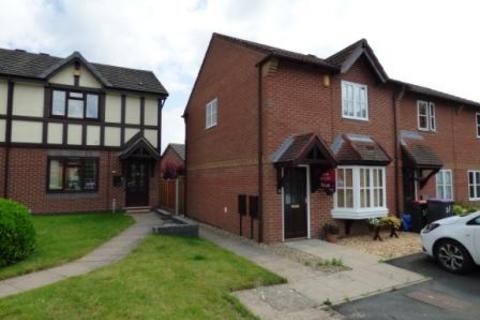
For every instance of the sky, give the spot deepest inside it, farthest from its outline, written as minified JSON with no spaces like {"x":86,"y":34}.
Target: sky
{"x":429,"y":43}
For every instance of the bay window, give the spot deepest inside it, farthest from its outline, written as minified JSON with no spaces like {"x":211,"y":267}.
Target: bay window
{"x":360,"y":192}
{"x":72,"y":174}
{"x":74,"y":104}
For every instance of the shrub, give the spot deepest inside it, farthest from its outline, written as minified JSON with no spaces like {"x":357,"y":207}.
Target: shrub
{"x":330,"y":229}
{"x":17,"y":234}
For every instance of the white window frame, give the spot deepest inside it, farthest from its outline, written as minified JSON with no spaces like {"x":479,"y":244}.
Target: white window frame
{"x":430,"y":115}
{"x":211,"y":114}
{"x":443,"y":185}
{"x":355,"y":105}
{"x":474,"y":184}
{"x":357,"y":212}
{"x":477,"y":127}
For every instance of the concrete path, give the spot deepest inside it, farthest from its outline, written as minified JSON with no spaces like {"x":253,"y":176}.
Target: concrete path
{"x":109,"y":252}
{"x":309,"y":292}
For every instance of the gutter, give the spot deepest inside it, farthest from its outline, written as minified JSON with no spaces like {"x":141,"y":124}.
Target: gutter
{"x":260,"y":152}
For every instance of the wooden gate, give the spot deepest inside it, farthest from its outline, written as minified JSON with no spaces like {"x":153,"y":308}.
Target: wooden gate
{"x":172,"y":195}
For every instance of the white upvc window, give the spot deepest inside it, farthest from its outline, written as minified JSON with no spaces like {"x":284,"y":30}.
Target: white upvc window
{"x":354,"y":101}
{"x":477,"y":122}
{"x":360,"y":193}
{"x":444,"y":184}
{"x":426,"y":116}
{"x":211,"y":112}
{"x":474,"y":185}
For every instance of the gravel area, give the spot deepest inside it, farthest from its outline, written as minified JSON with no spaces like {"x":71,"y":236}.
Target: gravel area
{"x":407,"y":243}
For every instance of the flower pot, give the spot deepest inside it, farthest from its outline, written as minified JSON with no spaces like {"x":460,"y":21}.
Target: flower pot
{"x":332,"y":238}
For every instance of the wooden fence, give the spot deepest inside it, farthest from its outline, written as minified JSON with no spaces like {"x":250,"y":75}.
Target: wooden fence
{"x":172,"y":195}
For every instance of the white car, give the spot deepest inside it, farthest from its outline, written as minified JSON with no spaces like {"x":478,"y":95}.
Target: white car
{"x":454,"y":242}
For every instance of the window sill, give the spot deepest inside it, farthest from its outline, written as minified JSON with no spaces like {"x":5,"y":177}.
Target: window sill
{"x":358,"y":214}
{"x":427,"y":131}
{"x":355,"y":119}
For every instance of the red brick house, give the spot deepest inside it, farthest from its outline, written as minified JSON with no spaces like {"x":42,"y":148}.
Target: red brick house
{"x":279,"y":143}
{"x":78,"y":136}
{"x":173,"y":161}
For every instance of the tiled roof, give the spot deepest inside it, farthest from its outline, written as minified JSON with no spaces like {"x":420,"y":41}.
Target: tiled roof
{"x":179,"y":149}
{"x":296,"y":149}
{"x":419,"y":154}
{"x":138,"y":142}
{"x":281,"y":53}
{"x":345,"y":58}
{"x":435,"y":93}
{"x":339,"y":57}
{"x":32,"y":65}
{"x":358,"y":149}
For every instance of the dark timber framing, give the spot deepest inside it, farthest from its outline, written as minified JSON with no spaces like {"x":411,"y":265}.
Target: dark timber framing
{"x":65,"y":121}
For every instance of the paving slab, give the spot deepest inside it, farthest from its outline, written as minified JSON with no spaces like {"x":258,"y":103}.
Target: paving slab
{"x":111,"y":251}
{"x":309,"y":291}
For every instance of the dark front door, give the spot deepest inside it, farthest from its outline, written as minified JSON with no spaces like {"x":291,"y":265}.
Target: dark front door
{"x":136,"y":183}
{"x":295,"y":202}
{"x":408,"y":188}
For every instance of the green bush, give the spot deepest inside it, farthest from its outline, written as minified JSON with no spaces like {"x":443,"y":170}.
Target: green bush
{"x":461,"y":209}
{"x":17,"y":234}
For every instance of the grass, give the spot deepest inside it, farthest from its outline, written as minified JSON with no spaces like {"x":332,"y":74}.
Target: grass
{"x":62,"y":238}
{"x":164,"y":278}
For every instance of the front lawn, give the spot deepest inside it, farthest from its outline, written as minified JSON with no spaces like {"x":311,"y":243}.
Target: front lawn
{"x":164,"y":278}
{"x":62,"y":238}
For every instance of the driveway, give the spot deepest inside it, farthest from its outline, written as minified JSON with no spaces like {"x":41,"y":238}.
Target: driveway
{"x":446,"y":296}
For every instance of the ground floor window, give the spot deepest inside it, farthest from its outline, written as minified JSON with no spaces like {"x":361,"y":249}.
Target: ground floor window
{"x":474,"y":184}
{"x":444,"y":184}
{"x":360,"y":190}
{"x":72,"y":174}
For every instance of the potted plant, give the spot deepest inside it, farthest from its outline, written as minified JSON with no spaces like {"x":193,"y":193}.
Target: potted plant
{"x":330,"y":231}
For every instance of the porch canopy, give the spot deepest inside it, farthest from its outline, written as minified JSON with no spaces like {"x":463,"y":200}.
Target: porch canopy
{"x":304,"y":149}
{"x":138,"y":147}
{"x":417,"y":155}
{"x":357,"y":149}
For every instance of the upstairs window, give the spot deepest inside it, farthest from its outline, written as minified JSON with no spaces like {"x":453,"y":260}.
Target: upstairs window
{"x":354,"y":101}
{"x":74,"y":104}
{"x":445,"y":184}
{"x":211,"y":111}
{"x":426,"y":116}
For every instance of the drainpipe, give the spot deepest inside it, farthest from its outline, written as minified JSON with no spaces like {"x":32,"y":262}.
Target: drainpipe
{"x":8,"y":135}
{"x":397,"y":97}
{"x":260,"y":155}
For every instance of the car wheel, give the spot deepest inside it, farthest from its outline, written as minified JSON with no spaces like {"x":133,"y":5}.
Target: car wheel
{"x":453,"y":257}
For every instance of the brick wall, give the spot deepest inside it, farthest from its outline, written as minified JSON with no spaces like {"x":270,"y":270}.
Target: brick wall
{"x":27,"y":183}
{"x":171,"y":158}
{"x":454,"y":140}
{"x":297,"y":102}
{"x":222,"y":161}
